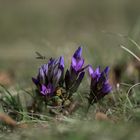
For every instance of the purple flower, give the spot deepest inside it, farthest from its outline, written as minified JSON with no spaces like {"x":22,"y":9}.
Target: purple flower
{"x":45,"y":90}
{"x":50,"y":76}
{"x":77,"y":61}
{"x":99,"y":84}
{"x":75,"y":75}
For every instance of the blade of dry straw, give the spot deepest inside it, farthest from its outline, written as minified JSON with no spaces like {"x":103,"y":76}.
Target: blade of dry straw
{"x":135,"y":43}
{"x":129,"y":51}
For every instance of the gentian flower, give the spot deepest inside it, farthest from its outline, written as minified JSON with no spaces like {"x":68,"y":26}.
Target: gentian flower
{"x":50,"y":76}
{"x":99,"y":86}
{"x":75,"y":75}
{"x":77,"y":60}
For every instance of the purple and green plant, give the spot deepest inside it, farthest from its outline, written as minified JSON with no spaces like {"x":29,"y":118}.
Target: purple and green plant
{"x":58,"y":87}
{"x":75,"y":74}
{"x":50,"y":76}
{"x":99,"y":86}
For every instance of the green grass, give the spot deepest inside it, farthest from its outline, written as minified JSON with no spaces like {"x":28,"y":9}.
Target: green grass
{"x":123,"y":112}
{"x":54,"y":28}
{"x":79,"y":131}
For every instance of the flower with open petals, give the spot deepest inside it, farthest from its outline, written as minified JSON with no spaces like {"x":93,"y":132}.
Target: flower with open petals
{"x":50,"y":76}
{"x":99,"y":84}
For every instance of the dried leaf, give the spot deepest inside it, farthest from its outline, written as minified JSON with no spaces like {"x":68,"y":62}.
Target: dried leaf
{"x":5,"y":78}
{"x":101,"y":116}
{"x":7,"y":119}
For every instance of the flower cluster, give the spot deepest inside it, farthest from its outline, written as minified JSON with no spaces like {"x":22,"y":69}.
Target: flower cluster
{"x":99,"y":86}
{"x":50,"y":76}
{"x":52,"y":82}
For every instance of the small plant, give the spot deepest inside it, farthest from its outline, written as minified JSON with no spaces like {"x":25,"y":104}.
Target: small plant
{"x":56,"y":88}
{"x":11,"y":104}
{"x":99,"y":86}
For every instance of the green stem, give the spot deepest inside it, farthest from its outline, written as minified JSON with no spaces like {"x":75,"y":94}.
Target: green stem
{"x":89,"y":105}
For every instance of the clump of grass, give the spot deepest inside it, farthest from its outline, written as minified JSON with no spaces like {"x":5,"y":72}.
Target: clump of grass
{"x":11,"y":104}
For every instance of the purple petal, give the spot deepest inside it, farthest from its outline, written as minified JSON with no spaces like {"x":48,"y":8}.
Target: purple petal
{"x":106,"y":88}
{"x":51,"y":61}
{"x":95,"y":76}
{"x":50,"y":88}
{"x":41,"y":76}
{"x":43,"y":89}
{"x":79,"y":65}
{"x":90,"y":70}
{"x":104,"y":75}
{"x":36,"y":82}
{"x":78,"y":53}
{"x":73,"y":62}
{"x":61,"y":62}
{"x":43,"y":67}
{"x":106,"y":70}
{"x":47,"y":90}
{"x":41,"y":73}
{"x":57,"y":77}
{"x":97,"y":71}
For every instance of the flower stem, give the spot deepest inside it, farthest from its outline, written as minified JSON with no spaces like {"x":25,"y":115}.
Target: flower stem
{"x":89,"y":105}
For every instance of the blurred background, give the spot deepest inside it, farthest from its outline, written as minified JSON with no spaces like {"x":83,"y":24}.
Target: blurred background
{"x":56,"y":28}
